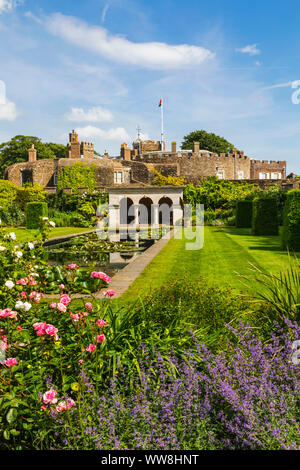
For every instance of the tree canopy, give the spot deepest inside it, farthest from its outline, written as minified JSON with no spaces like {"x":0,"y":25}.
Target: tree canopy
{"x":16,"y":150}
{"x":208,"y":141}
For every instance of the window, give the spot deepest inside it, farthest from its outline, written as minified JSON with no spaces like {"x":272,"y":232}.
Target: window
{"x":264,"y":176}
{"x":118,"y":177}
{"x":240,"y":175}
{"x":276,"y":176}
{"x":220,"y":174}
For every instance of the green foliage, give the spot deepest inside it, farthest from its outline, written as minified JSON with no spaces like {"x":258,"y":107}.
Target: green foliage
{"x":16,"y":150}
{"x":8,"y":194}
{"x":161,"y":180}
{"x":77,"y":176}
{"x":208,"y":141}
{"x":194,"y":303}
{"x":34,"y":212}
{"x":12,"y":216}
{"x":291,"y":221}
{"x":215,"y":194}
{"x":265,"y":216}
{"x":243,"y":216}
{"x":27,"y":194}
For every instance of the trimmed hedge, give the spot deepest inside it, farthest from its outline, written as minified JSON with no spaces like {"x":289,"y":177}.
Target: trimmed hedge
{"x":291,"y":221}
{"x":243,"y":217}
{"x":264,"y":216}
{"x":35,"y":210}
{"x":28,"y":194}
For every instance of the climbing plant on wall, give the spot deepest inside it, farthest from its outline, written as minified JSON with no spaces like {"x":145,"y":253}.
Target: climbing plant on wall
{"x":77,"y":176}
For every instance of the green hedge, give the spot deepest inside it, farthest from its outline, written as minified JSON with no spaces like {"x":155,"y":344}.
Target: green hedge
{"x":243,"y":217}
{"x":8,"y":194}
{"x":265,"y":216}
{"x":35,"y":210}
{"x":291,"y":221}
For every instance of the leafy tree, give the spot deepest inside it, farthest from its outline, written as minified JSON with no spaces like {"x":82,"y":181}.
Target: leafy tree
{"x":16,"y":150}
{"x":208,"y":141}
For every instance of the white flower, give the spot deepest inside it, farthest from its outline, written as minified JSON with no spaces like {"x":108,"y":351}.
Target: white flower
{"x":52,"y":223}
{"x":2,"y":248}
{"x":45,"y":218}
{"x":19,"y":305}
{"x":9,"y":284}
{"x":34,"y":275}
{"x":30,"y":246}
{"x":12,"y":235}
{"x":19,"y":254}
{"x":0,"y":221}
{"x":26,"y":306}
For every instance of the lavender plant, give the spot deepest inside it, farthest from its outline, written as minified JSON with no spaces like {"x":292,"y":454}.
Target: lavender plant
{"x":246,"y":398}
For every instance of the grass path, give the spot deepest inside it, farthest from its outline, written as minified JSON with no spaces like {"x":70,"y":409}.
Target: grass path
{"x":24,"y":235}
{"x":226,"y":250}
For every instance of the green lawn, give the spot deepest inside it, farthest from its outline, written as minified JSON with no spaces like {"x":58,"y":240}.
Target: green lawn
{"x":226,"y":250}
{"x":24,"y":235}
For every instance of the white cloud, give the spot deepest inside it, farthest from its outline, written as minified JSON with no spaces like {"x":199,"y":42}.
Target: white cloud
{"x":88,"y":132}
{"x":251,"y":49}
{"x":106,"y":7}
{"x":7,"y":5}
{"x":152,"y":55}
{"x":8,"y":111}
{"x":95,"y":114}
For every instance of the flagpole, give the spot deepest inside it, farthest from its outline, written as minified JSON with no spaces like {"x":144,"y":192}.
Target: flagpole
{"x":162,"y":123}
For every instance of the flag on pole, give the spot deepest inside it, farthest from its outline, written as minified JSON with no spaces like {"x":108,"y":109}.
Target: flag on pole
{"x":160,"y":103}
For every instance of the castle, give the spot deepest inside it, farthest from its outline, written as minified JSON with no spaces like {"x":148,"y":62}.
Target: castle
{"x":137,"y":165}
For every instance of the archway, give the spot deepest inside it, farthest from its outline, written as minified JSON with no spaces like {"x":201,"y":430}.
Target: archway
{"x":126,"y":211}
{"x":146,"y":211}
{"x":165,"y":211}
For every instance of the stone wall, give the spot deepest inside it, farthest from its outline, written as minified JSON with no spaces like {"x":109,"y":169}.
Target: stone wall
{"x":200,"y":164}
{"x":42,"y":172}
{"x":266,"y":167}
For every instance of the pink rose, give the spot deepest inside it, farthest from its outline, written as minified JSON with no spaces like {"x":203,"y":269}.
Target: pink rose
{"x":49,"y":397}
{"x":11,"y":361}
{"x":22,"y":282}
{"x":3,"y":346}
{"x":51,"y":330}
{"x":53,"y":305}
{"x":101,"y":323}
{"x":61,"y":307}
{"x":72,"y":266}
{"x":23,"y":295}
{"x":39,"y":328}
{"x":100,"y":275}
{"x":100,"y":338}
{"x":63,"y":406}
{"x":90,"y":348}
{"x":109,"y":293}
{"x":61,"y":286}
{"x":65,"y":299}
{"x":75,"y":317}
{"x":89,"y":306}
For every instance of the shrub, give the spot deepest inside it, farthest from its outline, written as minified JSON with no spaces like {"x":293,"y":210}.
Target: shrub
{"x":243,"y":216}
{"x":12,"y":216}
{"x":27,"y":194}
{"x":8,"y":193}
{"x":264,"y":216}
{"x":194,"y":302}
{"x":291,"y":221}
{"x":35,"y":210}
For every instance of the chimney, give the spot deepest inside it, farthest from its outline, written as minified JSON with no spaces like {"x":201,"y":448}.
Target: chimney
{"x":32,"y":154}
{"x":173,"y":147}
{"x":196,"y":147}
{"x":125,"y":152}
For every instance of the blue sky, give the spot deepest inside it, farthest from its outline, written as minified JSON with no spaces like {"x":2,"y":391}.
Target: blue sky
{"x":101,"y":66}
